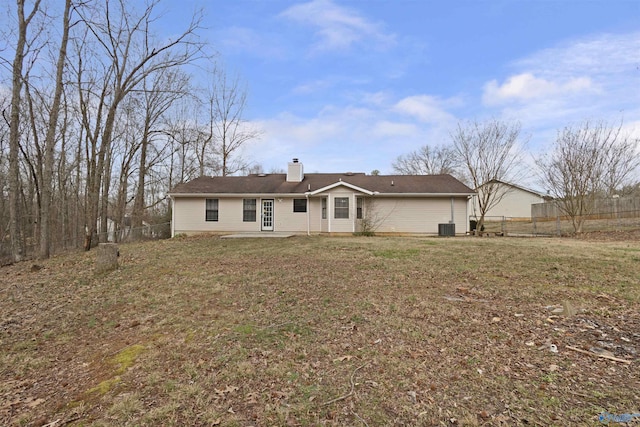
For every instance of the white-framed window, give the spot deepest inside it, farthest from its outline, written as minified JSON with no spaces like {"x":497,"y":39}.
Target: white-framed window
{"x":324,"y":208}
{"x":341,"y":208}
{"x":249,"y":210}
{"x":299,"y":205}
{"x":211,"y":210}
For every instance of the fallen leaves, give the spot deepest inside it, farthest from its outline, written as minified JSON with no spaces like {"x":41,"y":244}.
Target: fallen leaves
{"x":448,"y":340}
{"x":224,"y":392}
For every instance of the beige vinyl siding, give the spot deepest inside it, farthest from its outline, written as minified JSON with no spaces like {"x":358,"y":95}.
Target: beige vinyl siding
{"x":285,"y":219}
{"x":316,"y":222}
{"x":415,"y":215}
{"x":189,"y":216}
{"x":515,"y":203}
{"x":395,"y":214}
{"x":296,"y":222}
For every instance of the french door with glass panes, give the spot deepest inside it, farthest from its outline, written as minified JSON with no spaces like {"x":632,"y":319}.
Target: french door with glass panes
{"x":267,"y":215}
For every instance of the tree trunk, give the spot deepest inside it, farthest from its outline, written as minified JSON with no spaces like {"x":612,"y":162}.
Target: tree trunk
{"x":15,"y":220}
{"x":104,"y":201}
{"x":480,"y":225}
{"x":95,"y":207}
{"x":139,"y":202}
{"x":49,"y":144}
{"x":91,"y":209}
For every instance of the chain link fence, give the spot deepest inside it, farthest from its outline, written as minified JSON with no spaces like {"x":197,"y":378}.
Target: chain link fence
{"x":544,"y":226}
{"x":124,"y":235}
{"x":547,"y":219}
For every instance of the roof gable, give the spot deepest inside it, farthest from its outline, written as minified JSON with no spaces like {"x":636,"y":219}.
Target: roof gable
{"x":517,"y":187}
{"x":341,"y":184}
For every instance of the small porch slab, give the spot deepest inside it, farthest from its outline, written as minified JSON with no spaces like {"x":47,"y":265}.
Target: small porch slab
{"x":257,"y":235}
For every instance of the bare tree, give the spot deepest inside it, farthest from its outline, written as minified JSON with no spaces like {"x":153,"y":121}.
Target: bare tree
{"x":489,"y":153}
{"x":128,"y":144}
{"x":125,"y":42}
{"x":68,"y":184}
{"x":67,"y":159}
{"x":50,"y":138}
{"x":427,"y":160}
{"x":588,"y":161}
{"x":184,"y":135}
{"x":370,"y":217}
{"x":160,"y":91}
{"x":630,"y":190}
{"x":4,"y":181}
{"x":17,"y":245}
{"x":227,"y":101}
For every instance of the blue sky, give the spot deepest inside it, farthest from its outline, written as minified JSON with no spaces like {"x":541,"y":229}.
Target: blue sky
{"x":349,"y":85}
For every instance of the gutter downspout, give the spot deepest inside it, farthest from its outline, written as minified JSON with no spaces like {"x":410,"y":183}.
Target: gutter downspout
{"x":173,"y":217}
{"x":452,"y":221}
{"x":466,"y":220}
{"x":308,"y":214}
{"x":354,"y":213}
{"x":329,"y":209}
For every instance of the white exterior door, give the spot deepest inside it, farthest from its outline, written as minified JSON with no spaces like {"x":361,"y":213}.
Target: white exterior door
{"x":267,"y":215}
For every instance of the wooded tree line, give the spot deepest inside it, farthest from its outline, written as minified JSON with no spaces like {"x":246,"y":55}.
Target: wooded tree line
{"x":588,"y":161}
{"x":101,"y":117}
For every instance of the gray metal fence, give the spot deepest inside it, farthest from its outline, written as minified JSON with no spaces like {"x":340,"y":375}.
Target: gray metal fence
{"x":125,"y":235}
{"x":559,"y":225}
{"x":548,"y":219}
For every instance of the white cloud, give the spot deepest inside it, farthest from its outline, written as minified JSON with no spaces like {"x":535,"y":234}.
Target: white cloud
{"x":592,"y":78}
{"x":386,"y":128}
{"x":379,"y":98}
{"x":599,"y":56}
{"x":594,"y":73}
{"x":357,"y":138}
{"x":336,"y":27}
{"x":526,"y":87}
{"x":427,"y":109}
{"x":312,"y":87}
{"x":238,"y":40}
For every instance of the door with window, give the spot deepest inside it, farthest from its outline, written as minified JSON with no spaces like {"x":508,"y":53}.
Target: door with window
{"x":267,"y":215}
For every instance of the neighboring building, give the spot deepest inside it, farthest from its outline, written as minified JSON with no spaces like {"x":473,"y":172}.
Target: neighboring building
{"x":514,"y":201}
{"x":320,"y":203}
{"x":120,"y":232}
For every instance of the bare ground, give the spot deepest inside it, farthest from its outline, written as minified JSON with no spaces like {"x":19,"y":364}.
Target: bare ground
{"x":325,"y":331}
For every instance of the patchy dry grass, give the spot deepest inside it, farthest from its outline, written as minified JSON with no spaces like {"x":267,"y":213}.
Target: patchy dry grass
{"x":324,"y":331}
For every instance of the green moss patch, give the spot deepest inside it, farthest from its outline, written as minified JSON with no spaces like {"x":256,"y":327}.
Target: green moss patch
{"x":126,"y":357}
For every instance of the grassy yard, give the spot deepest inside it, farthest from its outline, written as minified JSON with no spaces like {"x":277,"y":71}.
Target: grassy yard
{"x":353,"y":331}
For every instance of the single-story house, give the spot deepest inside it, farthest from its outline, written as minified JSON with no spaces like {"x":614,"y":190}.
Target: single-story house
{"x":512,"y":201}
{"x":316,"y":203}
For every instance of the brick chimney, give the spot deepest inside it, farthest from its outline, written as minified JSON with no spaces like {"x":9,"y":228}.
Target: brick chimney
{"x":295,"y":171}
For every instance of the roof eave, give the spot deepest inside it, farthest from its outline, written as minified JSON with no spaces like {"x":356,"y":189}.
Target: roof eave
{"x":315,"y":193}
{"x":424,"y":194}
{"x":239,"y":195}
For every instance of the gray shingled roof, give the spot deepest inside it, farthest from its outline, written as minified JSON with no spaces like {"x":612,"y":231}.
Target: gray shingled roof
{"x":277,"y":184}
